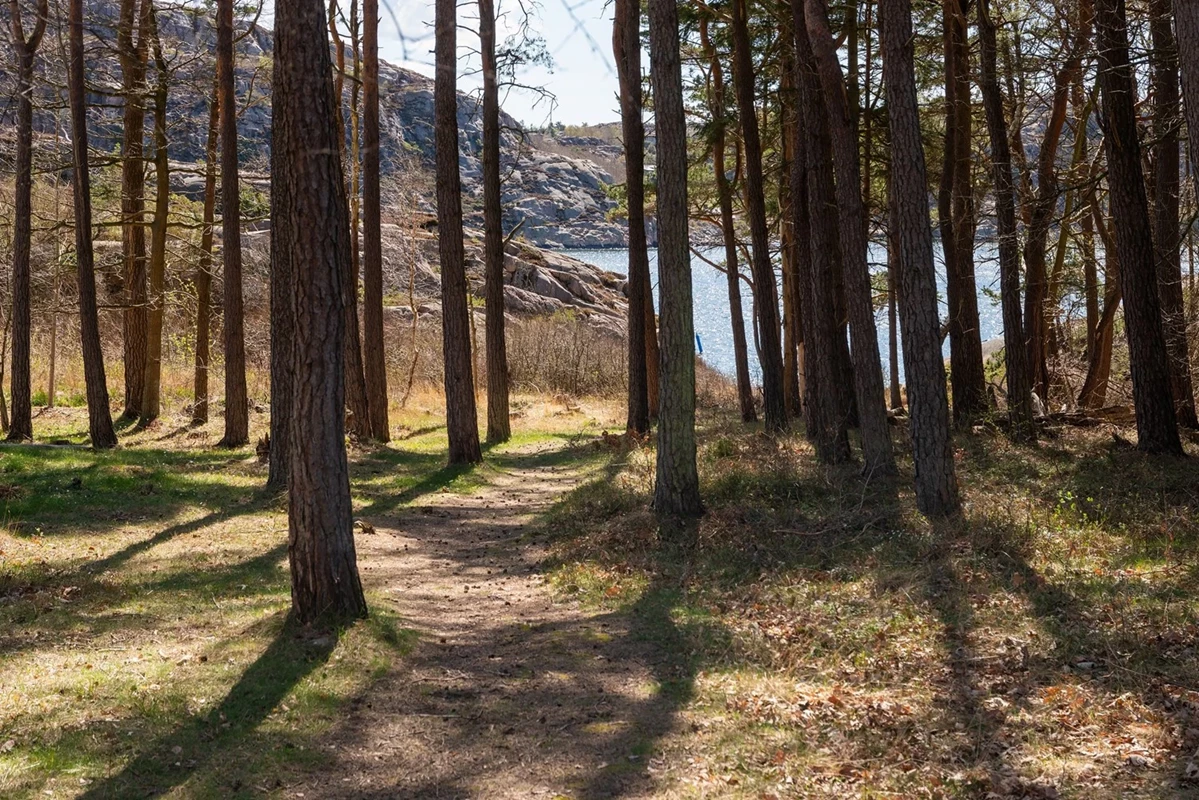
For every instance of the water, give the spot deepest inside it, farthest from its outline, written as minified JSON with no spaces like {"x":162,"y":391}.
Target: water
{"x":710,"y":290}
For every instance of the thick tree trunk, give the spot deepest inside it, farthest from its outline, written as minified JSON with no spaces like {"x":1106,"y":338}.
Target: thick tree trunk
{"x":285,"y":358}
{"x":868,"y":369}
{"x":936,"y":480}
{"x":499,"y":427}
{"x":1015,"y":353}
{"x":204,"y":267}
{"x":1157,"y":430}
{"x":151,"y":404}
{"x":132,"y":52}
{"x":461,"y":420}
{"x":765,"y":291}
{"x":676,"y":492}
{"x":324,"y":571}
{"x":828,"y":411}
{"x":1166,"y":166}
{"x":1186,"y":23}
{"x":21,"y":425}
{"x":373,"y":347}
{"x":237,"y":411}
{"x":98,"y":413}
{"x":724,"y":193}
{"x":626,"y":49}
{"x":955,"y":207}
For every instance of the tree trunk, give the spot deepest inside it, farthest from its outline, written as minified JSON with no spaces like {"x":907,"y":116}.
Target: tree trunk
{"x":676,"y":492}
{"x":788,"y":115}
{"x":21,"y":425}
{"x":1186,"y":22}
{"x":766,"y":293}
{"x":461,"y":420}
{"x":204,"y":268}
{"x":828,"y":411}
{"x":1157,"y":431}
{"x":626,"y":49}
{"x":373,"y":347}
{"x":151,"y":404}
{"x":131,"y":48}
{"x":955,"y":207}
{"x":99,"y":416}
{"x":1166,"y":165}
{"x":936,"y":481}
{"x":324,"y":571}
{"x":868,"y":369}
{"x":285,"y":357}
{"x":499,"y":427}
{"x":724,"y":193}
{"x":357,"y":409}
{"x":1043,"y":207}
{"x":1015,"y":352}
{"x":237,"y":411}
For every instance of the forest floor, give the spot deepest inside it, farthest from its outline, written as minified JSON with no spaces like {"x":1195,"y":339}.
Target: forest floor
{"x":533,"y":633}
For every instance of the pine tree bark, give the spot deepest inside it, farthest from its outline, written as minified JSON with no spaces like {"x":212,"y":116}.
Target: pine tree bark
{"x":877,"y":451}
{"x":132,"y":50}
{"x":373,"y":347}
{"x":626,"y":50}
{"x":284,"y":355}
{"x":461,"y":420}
{"x":724,"y":193}
{"x":676,"y":490}
{"x":21,"y":424}
{"x":936,"y":479}
{"x":324,"y":572}
{"x":499,"y":427}
{"x":1186,"y":24}
{"x":1157,"y":429}
{"x":765,"y":289}
{"x":237,"y":410}
{"x":1166,"y":166}
{"x":98,"y":413}
{"x":203,"y":278}
{"x":828,"y":412}
{"x":1015,"y":352}
{"x":956,"y":218}
{"x":151,"y":404}
{"x":357,"y":409}
{"x":788,"y":116}
{"x":1043,"y":206}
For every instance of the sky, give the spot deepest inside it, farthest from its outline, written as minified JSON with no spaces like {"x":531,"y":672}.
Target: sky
{"x":577,"y":33}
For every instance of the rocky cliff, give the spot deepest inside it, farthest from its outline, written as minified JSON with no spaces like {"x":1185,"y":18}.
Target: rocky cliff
{"x":560,"y":200}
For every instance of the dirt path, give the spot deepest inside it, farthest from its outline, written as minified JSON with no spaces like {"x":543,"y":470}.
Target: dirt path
{"x":509,"y":692}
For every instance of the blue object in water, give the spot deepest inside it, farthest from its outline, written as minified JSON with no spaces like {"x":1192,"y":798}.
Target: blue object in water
{"x":699,"y":344}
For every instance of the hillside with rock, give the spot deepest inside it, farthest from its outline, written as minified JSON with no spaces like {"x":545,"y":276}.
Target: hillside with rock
{"x":559,"y":199}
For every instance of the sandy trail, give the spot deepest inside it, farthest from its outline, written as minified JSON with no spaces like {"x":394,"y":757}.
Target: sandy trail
{"x":509,"y":692}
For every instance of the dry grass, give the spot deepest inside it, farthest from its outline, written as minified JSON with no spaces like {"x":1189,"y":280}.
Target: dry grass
{"x":821,"y":640}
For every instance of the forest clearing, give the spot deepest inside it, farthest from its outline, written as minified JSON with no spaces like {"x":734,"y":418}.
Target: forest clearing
{"x":360,"y":440}
{"x":532,"y":635}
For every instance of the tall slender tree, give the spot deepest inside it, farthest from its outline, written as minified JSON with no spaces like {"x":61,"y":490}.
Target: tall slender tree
{"x":21,"y":425}
{"x":203,"y":278}
{"x":237,"y":411}
{"x":868,"y":369}
{"x":98,"y":413}
{"x":1165,"y":180}
{"x":1186,"y":24}
{"x":765,"y":290}
{"x":936,"y":478}
{"x":724,"y":192}
{"x":626,"y":49}
{"x":1015,"y":354}
{"x":461,"y":421}
{"x":132,"y":43}
{"x":499,"y":428}
{"x":955,"y":205}
{"x":151,"y":404}
{"x":676,"y":491}
{"x":1157,"y":429}
{"x":373,"y":349}
{"x":324,"y":571}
